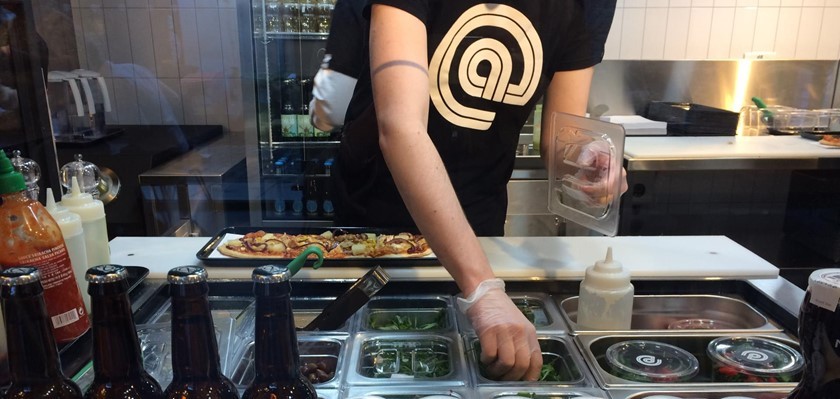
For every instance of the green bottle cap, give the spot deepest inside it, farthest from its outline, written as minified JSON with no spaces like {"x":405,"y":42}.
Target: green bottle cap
{"x":11,"y":181}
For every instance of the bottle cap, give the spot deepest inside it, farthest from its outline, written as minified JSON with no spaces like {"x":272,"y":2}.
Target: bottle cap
{"x":271,"y":274}
{"x":104,"y":274}
{"x":607,"y":274}
{"x":19,"y":276}
{"x":11,"y":181}
{"x":824,"y":285}
{"x":184,"y":275}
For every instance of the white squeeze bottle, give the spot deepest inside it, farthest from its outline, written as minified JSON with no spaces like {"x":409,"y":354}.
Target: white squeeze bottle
{"x":74,"y":239}
{"x":92,"y":213}
{"x":606,"y":296}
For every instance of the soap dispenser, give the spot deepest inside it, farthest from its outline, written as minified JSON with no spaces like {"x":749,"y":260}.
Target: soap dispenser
{"x":92,"y":212}
{"x":606,"y":297}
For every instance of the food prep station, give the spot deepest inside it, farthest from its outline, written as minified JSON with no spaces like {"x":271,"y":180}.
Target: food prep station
{"x":409,"y":341}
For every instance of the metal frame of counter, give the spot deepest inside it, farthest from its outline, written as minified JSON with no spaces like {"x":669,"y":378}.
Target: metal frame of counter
{"x":517,"y":259}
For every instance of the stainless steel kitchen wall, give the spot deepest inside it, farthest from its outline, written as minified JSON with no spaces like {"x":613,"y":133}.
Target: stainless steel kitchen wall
{"x":626,"y":87}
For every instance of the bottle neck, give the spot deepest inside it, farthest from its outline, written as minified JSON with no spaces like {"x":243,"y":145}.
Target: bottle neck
{"x":116,"y":348}
{"x":33,"y":355}
{"x":276,"y":356}
{"x":195,"y":351}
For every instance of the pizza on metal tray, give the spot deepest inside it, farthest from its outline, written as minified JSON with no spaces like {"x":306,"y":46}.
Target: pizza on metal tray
{"x":340,"y":245}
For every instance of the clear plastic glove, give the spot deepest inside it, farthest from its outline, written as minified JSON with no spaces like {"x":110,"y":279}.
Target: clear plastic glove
{"x":509,"y":346}
{"x":595,"y":176}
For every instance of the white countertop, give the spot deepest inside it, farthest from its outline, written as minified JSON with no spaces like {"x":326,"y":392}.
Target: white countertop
{"x":653,"y":257}
{"x":743,"y":147}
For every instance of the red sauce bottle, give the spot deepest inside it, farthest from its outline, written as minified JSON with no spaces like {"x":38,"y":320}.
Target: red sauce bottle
{"x":29,"y":236}
{"x":819,"y":335}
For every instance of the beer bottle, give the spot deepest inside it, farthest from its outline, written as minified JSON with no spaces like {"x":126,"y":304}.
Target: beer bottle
{"x":117,"y":359}
{"x":195,"y":353}
{"x":33,"y":356}
{"x":276,"y":357}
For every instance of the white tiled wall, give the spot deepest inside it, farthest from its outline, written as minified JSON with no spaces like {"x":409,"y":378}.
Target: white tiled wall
{"x":177,"y":61}
{"x":724,"y":29}
{"x":165,"y":61}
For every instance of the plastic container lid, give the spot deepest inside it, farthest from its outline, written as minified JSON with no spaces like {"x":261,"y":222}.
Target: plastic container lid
{"x":651,"y":361}
{"x":82,"y":203}
{"x":755,"y":355}
{"x":584,"y":171}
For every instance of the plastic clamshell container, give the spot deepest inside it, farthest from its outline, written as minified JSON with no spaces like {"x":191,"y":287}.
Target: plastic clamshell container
{"x":753,"y":359}
{"x":651,"y":361}
{"x":584,"y":171}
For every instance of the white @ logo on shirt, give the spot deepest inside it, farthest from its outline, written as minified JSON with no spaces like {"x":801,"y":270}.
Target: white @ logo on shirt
{"x":497,"y":85}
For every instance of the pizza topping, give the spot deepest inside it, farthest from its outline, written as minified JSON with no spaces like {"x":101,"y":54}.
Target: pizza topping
{"x":339,"y":244}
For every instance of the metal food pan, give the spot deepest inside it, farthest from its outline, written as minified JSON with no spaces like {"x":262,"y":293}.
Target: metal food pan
{"x":539,"y":308}
{"x":424,"y":359}
{"x":304,"y":310}
{"x":701,"y":394}
{"x":408,"y":314}
{"x":556,"y":351}
{"x":529,"y":391}
{"x":594,"y":351}
{"x":359,"y":392}
{"x":325,"y":350}
{"x":658,"y":313}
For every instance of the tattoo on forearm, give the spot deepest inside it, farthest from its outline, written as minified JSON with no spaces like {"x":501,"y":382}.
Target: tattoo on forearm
{"x":400,"y":63}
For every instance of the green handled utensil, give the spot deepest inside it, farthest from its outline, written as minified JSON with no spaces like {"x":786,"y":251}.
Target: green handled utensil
{"x":296,"y":263}
{"x":767,"y":115}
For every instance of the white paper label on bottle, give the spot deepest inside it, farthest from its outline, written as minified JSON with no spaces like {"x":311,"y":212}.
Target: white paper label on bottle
{"x":65,"y":318}
{"x":825,"y":293}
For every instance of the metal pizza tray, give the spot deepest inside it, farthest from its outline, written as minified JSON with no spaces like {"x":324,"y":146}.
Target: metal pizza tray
{"x":210,"y":257}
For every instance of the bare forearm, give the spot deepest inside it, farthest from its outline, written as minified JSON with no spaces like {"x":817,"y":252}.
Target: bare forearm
{"x":401,"y":95}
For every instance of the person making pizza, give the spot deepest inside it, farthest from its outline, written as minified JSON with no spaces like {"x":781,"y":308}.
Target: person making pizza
{"x":432,"y":129}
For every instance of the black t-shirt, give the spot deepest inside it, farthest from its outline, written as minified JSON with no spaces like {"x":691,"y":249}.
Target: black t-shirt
{"x":347,"y":42}
{"x":488,"y":65}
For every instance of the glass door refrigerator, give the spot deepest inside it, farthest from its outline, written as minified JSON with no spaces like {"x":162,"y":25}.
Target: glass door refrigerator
{"x":289,"y":161}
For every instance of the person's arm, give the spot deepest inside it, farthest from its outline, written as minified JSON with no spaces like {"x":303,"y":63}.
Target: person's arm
{"x":399,"y":72}
{"x":568,"y":92}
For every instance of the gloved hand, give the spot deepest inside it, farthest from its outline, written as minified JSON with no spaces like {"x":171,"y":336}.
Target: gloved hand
{"x":596,"y":175}
{"x":509,"y":346}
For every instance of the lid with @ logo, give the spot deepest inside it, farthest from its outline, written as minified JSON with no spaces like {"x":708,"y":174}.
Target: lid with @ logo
{"x":651,"y":361}
{"x":755,"y":356}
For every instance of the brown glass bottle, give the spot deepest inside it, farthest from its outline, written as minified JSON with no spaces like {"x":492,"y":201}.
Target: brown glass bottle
{"x":276,"y":356}
{"x":33,"y":357}
{"x":117,"y":359}
{"x":195,"y":353}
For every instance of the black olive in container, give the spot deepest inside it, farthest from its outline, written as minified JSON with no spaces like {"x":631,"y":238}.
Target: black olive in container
{"x":819,"y":335}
